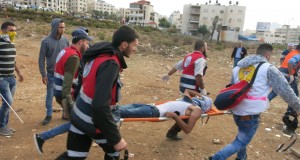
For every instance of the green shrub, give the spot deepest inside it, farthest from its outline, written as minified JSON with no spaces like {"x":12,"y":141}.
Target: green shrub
{"x":101,"y":35}
{"x":219,"y":47}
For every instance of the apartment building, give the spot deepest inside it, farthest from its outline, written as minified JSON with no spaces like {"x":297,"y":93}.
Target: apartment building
{"x":176,"y":19}
{"x":100,"y":5}
{"x":231,"y":17}
{"x":142,"y":13}
{"x":291,"y":35}
{"x":55,"y":5}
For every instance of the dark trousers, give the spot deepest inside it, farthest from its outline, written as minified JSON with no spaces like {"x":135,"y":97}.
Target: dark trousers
{"x":79,"y":143}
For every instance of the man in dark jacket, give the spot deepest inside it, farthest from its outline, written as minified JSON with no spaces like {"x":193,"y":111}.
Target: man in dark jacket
{"x":238,"y":53}
{"x":91,"y":116}
{"x":50,"y":48}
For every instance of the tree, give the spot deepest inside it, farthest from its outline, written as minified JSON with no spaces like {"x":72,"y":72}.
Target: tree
{"x":219,"y":29}
{"x":214,"y":24}
{"x":164,"y":23}
{"x":203,"y":30}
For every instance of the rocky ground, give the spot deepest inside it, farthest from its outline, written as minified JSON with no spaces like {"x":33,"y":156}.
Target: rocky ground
{"x":145,"y":140}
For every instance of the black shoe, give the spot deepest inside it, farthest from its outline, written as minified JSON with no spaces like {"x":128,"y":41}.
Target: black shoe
{"x":207,"y":158}
{"x":46,"y":120}
{"x":241,"y":159}
{"x":287,"y":131}
{"x":174,"y":137}
{"x":38,"y":143}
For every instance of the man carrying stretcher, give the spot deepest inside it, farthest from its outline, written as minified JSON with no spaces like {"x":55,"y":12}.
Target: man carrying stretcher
{"x":193,"y":105}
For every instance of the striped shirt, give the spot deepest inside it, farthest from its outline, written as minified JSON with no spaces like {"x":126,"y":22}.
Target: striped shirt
{"x":7,"y":59}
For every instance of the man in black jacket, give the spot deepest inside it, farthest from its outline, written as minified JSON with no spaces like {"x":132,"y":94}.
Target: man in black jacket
{"x":91,"y":117}
{"x":238,"y":53}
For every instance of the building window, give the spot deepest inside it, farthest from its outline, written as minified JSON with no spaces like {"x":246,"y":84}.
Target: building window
{"x":135,"y":18}
{"x":221,"y":11}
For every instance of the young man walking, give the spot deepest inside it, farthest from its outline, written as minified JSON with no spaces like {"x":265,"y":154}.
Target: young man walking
{"x":247,"y":113}
{"x":50,"y":47}
{"x":7,"y":78}
{"x":65,"y":82}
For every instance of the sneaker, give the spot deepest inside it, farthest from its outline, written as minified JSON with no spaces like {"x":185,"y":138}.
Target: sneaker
{"x":5,"y":131}
{"x":46,"y":120}
{"x":12,"y":129}
{"x":287,"y":131}
{"x":207,"y":158}
{"x":174,"y":137}
{"x":38,"y":143}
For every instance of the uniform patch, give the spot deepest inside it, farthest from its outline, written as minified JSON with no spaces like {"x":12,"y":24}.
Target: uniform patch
{"x":246,"y":73}
{"x":61,"y":54}
{"x":187,"y":61}
{"x":87,"y":68}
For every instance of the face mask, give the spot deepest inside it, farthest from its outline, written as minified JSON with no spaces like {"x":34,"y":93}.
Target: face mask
{"x":12,"y":36}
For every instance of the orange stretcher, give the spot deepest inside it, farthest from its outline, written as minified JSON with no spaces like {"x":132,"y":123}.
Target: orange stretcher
{"x":212,"y":112}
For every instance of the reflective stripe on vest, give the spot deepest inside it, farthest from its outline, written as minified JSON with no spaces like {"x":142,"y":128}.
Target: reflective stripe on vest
{"x":187,"y":79}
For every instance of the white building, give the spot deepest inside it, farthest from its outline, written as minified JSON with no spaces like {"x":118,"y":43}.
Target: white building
{"x":142,"y":13}
{"x":55,"y":5}
{"x":291,"y":35}
{"x":100,"y":5}
{"x":176,"y":19}
{"x":231,"y":16}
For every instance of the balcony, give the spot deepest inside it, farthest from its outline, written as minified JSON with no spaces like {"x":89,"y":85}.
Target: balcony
{"x":135,"y":15}
{"x":193,"y":28}
{"x":194,"y":21}
{"x":195,"y":12}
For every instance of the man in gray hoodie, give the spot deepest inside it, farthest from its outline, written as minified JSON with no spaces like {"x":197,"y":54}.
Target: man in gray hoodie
{"x":50,"y":47}
{"x":247,"y":113}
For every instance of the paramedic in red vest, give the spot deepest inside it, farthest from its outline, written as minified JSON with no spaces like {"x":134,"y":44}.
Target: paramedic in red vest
{"x":289,"y":68}
{"x":246,"y":114}
{"x":66,"y":69}
{"x":65,"y":81}
{"x":193,"y":68}
{"x":91,"y":117}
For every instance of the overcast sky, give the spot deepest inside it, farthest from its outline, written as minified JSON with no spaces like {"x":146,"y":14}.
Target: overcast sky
{"x":280,"y":11}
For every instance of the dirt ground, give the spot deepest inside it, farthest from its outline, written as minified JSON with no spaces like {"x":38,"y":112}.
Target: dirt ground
{"x":145,"y":140}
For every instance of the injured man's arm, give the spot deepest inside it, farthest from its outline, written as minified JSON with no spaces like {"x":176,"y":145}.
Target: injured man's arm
{"x":193,"y":111}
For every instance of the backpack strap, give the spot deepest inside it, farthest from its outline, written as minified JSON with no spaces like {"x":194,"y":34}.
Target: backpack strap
{"x":255,"y":73}
{"x":249,"y":85}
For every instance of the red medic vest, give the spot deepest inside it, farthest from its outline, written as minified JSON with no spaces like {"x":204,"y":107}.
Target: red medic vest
{"x":59,"y":70}
{"x":187,"y":79}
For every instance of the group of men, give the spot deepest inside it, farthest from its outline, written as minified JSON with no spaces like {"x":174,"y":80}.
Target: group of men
{"x":82,"y":74}
{"x":246,"y":114}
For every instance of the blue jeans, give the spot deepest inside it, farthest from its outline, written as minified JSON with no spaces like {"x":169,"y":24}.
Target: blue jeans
{"x":64,"y":128}
{"x":7,"y":90}
{"x":50,"y":94}
{"x":246,"y":131}
{"x":235,"y":61}
{"x":294,"y":86}
{"x":138,"y":111}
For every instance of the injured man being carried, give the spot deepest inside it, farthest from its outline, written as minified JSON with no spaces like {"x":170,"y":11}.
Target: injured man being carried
{"x":193,"y":105}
